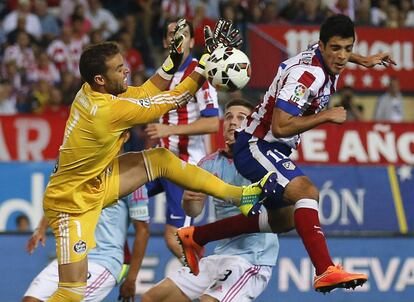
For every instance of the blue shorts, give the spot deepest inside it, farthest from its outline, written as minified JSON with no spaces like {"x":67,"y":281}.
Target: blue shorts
{"x":175,"y":215}
{"x":254,"y":157}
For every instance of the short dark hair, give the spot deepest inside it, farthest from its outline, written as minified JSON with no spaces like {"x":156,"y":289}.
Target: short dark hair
{"x":93,"y":60}
{"x":20,"y":218}
{"x":337,"y":25}
{"x":239,"y":102}
{"x":168,"y":22}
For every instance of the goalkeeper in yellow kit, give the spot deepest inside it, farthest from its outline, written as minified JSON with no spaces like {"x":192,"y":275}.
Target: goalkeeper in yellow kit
{"x":89,"y":173}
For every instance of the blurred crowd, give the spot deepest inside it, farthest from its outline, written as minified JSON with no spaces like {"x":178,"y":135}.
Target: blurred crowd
{"x":41,"y":40}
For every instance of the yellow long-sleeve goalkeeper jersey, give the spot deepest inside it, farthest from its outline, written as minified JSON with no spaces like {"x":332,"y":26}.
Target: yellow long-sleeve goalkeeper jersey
{"x":93,"y":138}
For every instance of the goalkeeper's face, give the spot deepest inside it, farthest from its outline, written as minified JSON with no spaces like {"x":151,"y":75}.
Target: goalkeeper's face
{"x":116,"y":76}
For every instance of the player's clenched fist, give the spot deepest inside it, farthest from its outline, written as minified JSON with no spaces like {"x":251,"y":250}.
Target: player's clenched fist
{"x":336,"y":115}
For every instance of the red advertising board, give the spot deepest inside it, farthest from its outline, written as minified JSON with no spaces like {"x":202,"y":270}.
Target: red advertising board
{"x":269,"y":45}
{"x":354,"y":143}
{"x":37,"y":138}
{"x":28,"y":137}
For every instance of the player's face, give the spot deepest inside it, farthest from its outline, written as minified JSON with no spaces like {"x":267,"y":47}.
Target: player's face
{"x":233,"y":118}
{"x":116,"y":75}
{"x":188,"y":42}
{"x":336,"y":53}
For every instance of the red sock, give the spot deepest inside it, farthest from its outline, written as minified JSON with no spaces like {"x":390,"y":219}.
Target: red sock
{"x":308,"y":228}
{"x":226,"y":228}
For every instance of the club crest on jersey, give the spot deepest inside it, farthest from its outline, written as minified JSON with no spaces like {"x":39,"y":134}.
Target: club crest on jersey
{"x":289,"y":165}
{"x":80,"y":247}
{"x":324,"y":101}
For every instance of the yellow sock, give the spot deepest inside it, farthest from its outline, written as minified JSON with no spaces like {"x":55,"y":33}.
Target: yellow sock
{"x":161,"y":162}
{"x":69,"y":292}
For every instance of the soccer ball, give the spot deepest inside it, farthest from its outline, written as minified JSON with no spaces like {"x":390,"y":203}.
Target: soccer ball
{"x":228,"y":69}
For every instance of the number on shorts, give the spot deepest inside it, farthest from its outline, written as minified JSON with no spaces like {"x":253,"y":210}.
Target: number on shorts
{"x":226,"y":275}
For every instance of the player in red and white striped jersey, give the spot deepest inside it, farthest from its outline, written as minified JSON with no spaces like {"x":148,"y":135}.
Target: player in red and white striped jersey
{"x":292,"y":105}
{"x":182,"y":132}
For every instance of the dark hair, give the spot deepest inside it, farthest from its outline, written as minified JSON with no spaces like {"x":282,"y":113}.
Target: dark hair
{"x":336,"y":25}
{"x":240,"y":102}
{"x":168,"y":22}
{"x":20,"y":218}
{"x":93,"y":60}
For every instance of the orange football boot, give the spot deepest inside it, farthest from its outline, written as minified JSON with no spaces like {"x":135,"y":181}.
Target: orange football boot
{"x":336,"y":277}
{"x":192,"y":252}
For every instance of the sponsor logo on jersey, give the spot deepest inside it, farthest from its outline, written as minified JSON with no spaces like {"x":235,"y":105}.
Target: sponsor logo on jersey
{"x":80,"y":247}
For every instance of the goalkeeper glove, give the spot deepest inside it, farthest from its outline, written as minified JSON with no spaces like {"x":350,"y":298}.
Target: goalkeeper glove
{"x":176,"y":51}
{"x":224,"y":35}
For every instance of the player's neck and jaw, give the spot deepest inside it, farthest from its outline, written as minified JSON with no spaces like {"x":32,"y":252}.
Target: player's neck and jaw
{"x":336,"y":53}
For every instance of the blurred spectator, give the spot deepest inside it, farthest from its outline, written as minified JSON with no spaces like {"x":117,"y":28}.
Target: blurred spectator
{"x":46,"y":70}
{"x":23,"y":103}
{"x":344,"y":7}
{"x":78,"y":33}
{"x":407,"y":7}
{"x":140,"y":40}
{"x":290,"y":10}
{"x":353,"y":112}
{"x":33,"y":25}
{"x":7,"y":99}
{"x":390,"y":105}
{"x":200,"y":20}
{"x":65,"y":52}
{"x":102,"y":19}
{"x":363,"y":13}
{"x":69,"y":86}
{"x":22,"y":54}
{"x":255,"y":11}
{"x":270,"y":14}
{"x":79,"y":13}
{"x":48,"y":22}
{"x":173,"y":9}
{"x":21,"y":26}
{"x":22,"y":223}
{"x":95,"y":36}
{"x":393,"y":17}
{"x":379,"y":13}
{"x":132,"y":55}
{"x":67,"y":8}
{"x":11,"y":73}
{"x":40,"y":96}
{"x":55,"y":106}
{"x":311,"y":14}
{"x":211,"y":7}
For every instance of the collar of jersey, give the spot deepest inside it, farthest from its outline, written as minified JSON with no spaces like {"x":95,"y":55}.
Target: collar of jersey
{"x":186,"y":63}
{"x":320,"y":59}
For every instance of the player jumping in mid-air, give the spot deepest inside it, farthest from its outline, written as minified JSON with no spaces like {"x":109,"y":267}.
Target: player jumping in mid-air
{"x":293,"y":104}
{"x":89,"y":174}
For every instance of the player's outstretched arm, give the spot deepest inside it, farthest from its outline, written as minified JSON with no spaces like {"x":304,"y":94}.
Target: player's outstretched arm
{"x":142,"y":234}
{"x":382,"y":58}
{"x":193,"y":203}
{"x":39,"y":234}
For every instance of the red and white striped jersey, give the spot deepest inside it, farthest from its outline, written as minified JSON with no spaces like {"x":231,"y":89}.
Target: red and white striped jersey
{"x":190,"y":147}
{"x":66,"y":56}
{"x":302,"y":86}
